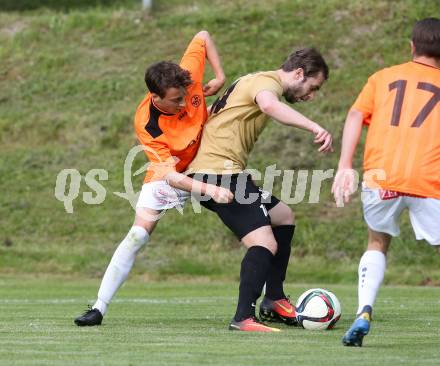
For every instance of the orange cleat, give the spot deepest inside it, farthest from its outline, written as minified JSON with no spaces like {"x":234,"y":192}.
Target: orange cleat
{"x":251,"y":325}
{"x":281,"y":311}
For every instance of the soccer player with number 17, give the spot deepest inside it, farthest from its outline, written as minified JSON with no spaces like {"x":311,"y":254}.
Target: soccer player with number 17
{"x":401,"y":107}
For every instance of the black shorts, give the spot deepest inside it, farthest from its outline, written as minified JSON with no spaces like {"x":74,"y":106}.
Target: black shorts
{"x":248,"y":210}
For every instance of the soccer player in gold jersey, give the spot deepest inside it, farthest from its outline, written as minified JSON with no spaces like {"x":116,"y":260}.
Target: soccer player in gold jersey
{"x":262,"y":223}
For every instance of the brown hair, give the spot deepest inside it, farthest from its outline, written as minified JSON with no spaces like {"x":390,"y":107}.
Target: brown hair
{"x":163,"y":75}
{"x":309,"y":59}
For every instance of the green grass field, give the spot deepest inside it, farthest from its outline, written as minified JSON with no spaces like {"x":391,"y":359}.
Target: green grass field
{"x":186,"y":324}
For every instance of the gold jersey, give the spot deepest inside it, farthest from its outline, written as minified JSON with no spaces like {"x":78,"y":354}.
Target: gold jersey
{"x":234,"y":125}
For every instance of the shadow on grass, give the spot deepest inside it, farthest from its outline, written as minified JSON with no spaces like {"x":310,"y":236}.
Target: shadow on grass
{"x":61,"y":5}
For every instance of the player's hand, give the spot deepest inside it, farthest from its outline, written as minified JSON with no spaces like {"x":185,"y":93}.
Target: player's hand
{"x":219,"y":194}
{"x":344,"y":185}
{"x":324,"y":138}
{"x":212,"y":87}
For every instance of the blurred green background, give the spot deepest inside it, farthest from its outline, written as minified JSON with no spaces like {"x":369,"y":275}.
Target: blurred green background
{"x":71,"y":77}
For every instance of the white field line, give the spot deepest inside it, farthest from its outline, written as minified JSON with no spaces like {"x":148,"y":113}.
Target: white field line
{"x":189,"y":300}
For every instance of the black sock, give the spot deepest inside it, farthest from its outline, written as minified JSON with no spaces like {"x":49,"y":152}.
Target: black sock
{"x":254,"y":268}
{"x":277,"y":273}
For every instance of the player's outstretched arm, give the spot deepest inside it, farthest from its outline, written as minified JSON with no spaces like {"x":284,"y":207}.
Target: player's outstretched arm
{"x":269,"y":104}
{"x":181,"y":181}
{"x":163,"y":165}
{"x":343,"y":185}
{"x":214,"y":85}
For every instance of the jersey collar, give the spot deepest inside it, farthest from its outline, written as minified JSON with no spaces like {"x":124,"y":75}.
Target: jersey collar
{"x":421,"y":63}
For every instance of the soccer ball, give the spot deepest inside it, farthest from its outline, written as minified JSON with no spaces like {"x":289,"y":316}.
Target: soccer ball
{"x":318,"y":309}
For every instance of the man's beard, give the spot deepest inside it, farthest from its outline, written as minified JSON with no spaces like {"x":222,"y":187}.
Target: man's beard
{"x":293,"y":95}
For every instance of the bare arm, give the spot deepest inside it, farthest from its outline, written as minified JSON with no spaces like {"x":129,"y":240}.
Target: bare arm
{"x":350,"y":138}
{"x":213,"y":86}
{"x":270,"y":105}
{"x":181,"y":181}
{"x":346,"y":178}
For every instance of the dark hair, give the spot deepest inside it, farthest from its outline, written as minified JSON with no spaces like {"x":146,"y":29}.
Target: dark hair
{"x":163,"y":75}
{"x":308,"y":59}
{"x":426,"y":37}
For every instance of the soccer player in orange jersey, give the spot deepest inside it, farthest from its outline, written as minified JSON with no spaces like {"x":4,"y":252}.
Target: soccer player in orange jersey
{"x":168,"y":123}
{"x":401,"y":107}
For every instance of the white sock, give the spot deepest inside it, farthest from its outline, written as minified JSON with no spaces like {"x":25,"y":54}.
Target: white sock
{"x":371,"y":272}
{"x":120,"y":266}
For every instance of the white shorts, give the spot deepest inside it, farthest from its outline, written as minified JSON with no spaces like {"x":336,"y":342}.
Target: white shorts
{"x":159,"y":195}
{"x":382,"y":215}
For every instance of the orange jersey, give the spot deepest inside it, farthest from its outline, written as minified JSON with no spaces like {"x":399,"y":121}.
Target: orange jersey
{"x":171,"y":140}
{"x":401,"y":106}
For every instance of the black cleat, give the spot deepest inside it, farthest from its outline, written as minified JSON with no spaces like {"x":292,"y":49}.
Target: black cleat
{"x":90,"y":318}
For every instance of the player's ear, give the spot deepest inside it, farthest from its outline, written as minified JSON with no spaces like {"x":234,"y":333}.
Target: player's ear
{"x":298,"y":74}
{"x":413,"y":48}
{"x":155,"y":97}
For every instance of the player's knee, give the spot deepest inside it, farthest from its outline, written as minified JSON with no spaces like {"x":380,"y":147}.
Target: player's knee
{"x":378,"y":245}
{"x":147,"y":219}
{"x":272,"y":246}
{"x":282,"y":215}
{"x":136,"y":238}
{"x":289,"y":217}
{"x":378,"y":241}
